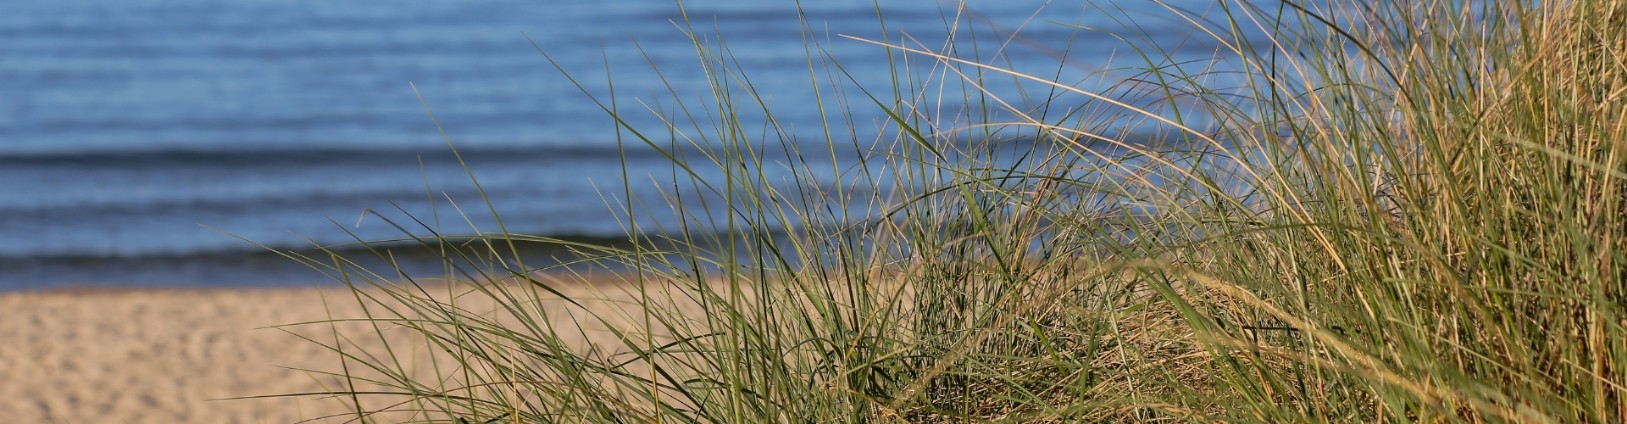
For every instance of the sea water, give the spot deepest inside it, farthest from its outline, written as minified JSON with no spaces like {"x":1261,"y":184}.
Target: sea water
{"x":171,"y":142}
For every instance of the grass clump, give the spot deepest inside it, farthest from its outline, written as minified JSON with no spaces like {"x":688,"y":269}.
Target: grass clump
{"x":1351,"y":212}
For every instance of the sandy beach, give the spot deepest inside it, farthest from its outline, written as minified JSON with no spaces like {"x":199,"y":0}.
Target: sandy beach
{"x":178,"y":356}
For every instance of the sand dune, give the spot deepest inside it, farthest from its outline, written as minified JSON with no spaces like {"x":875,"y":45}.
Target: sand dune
{"x":172,"y":356}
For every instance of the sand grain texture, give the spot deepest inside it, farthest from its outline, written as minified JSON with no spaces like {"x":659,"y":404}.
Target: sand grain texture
{"x":158,"y":356}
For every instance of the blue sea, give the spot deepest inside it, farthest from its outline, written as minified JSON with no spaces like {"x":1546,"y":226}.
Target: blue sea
{"x":171,"y":142}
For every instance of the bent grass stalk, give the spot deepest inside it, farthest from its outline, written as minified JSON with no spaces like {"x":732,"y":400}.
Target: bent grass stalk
{"x":1364,"y":213}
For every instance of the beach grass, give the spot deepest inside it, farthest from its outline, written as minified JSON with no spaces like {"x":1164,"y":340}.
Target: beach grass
{"x":1350,"y":212}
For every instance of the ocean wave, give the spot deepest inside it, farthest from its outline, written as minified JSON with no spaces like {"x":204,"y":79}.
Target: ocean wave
{"x":277,"y":156}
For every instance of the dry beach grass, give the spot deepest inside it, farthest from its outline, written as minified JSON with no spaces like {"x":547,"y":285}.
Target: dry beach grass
{"x":1393,"y":212}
